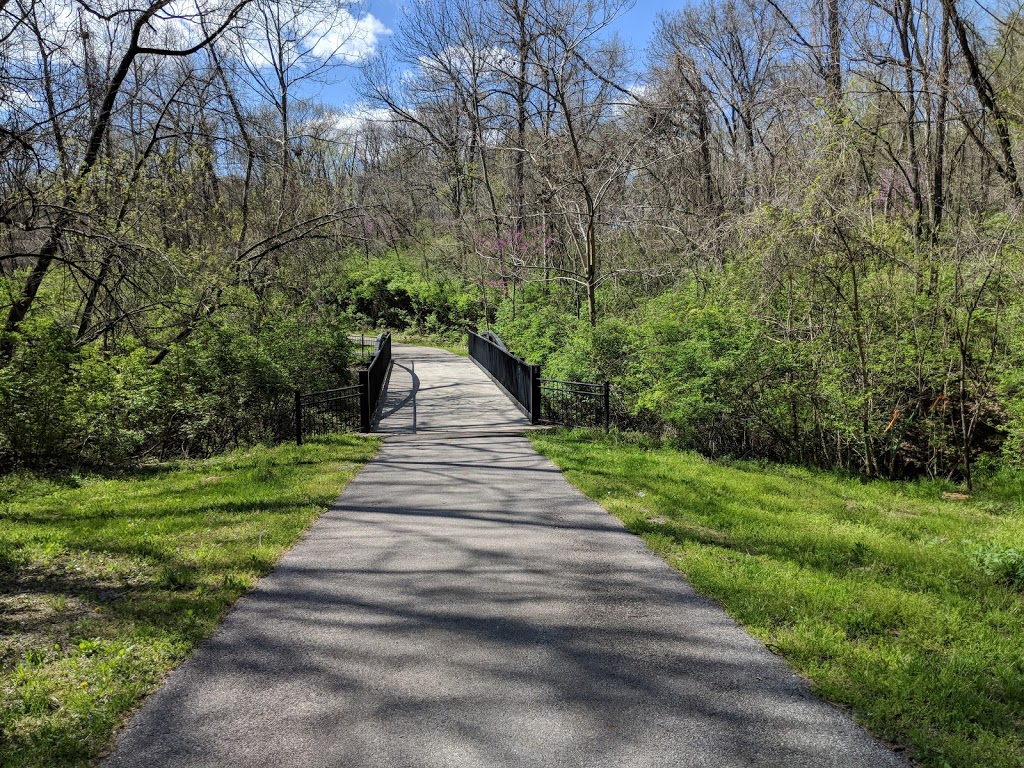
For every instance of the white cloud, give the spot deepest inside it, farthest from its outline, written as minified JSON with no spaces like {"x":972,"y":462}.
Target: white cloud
{"x":16,"y":101}
{"x":354,"y":121}
{"x":331,"y":32}
{"x":351,"y":39}
{"x":185,"y":23}
{"x":61,"y":27}
{"x":326,"y":34}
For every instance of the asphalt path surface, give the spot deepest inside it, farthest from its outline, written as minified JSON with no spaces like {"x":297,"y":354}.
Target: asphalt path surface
{"x":462,"y":605}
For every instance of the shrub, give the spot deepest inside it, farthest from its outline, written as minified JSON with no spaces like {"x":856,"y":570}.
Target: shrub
{"x":35,"y":422}
{"x":1004,"y":564}
{"x":230,"y":383}
{"x":389,"y":293}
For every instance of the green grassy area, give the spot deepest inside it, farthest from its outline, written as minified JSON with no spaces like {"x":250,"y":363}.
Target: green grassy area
{"x":444,"y":342}
{"x":905,"y":605}
{"x":108,"y":583}
{"x":447,"y":342}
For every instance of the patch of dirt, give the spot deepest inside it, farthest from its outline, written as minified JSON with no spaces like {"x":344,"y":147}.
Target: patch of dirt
{"x":40,"y":603}
{"x":36,"y":621}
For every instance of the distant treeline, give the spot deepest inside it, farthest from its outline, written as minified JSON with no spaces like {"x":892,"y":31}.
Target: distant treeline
{"x":787,"y":229}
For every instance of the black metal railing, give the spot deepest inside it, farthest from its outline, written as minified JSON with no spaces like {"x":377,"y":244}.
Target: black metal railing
{"x":567,"y":403}
{"x":367,"y":348}
{"x":346,"y":408}
{"x":373,"y":380}
{"x":494,"y":338}
{"x":516,"y":377}
{"x":575,"y":403}
{"x":331,"y":410}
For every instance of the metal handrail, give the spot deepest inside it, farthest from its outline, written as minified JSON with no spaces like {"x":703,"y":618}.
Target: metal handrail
{"x":586,"y":387}
{"x":575,"y":403}
{"x":330,"y":391}
{"x":374,"y":381}
{"x":519,"y":380}
{"x":328,"y":409}
{"x":592,"y":384}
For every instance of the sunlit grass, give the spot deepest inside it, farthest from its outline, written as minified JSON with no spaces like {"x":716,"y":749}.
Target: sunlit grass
{"x":906,"y":606}
{"x":438,"y":341}
{"x":108,"y":583}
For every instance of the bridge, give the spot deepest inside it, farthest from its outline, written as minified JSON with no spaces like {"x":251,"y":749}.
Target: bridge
{"x":391,"y":396}
{"x":432,"y":391}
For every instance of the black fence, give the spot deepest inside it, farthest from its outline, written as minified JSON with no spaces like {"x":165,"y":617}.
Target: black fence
{"x":549,"y":401}
{"x":575,"y":403}
{"x":332,"y":410}
{"x":346,"y":408}
{"x":373,"y":380}
{"x":519,"y":379}
{"x":367,"y":348}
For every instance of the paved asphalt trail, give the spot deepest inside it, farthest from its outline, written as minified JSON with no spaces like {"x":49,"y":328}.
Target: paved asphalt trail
{"x":462,"y":605}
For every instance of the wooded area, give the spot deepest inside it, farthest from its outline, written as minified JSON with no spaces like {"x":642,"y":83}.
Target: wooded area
{"x":788,"y":230}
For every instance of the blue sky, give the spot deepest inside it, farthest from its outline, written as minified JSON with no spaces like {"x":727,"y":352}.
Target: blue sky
{"x":634,"y":27}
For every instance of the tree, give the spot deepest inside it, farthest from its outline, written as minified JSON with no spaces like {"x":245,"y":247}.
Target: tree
{"x":146,"y":35}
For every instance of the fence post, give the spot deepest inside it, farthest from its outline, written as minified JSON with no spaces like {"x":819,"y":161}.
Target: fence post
{"x":534,"y":394}
{"x":607,"y":405}
{"x":364,"y":401}
{"x":298,"y":417}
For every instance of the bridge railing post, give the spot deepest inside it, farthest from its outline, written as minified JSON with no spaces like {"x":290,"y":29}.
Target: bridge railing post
{"x":607,"y":405}
{"x":365,"y":411}
{"x":534,"y":394}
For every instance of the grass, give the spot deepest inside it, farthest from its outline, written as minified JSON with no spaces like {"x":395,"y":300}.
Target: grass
{"x":901,"y":604}
{"x":445,"y":341}
{"x":438,"y":341}
{"x":106,"y":584}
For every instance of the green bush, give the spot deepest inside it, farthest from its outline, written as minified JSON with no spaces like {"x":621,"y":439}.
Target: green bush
{"x":1004,"y":564}
{"x":230,"y":383}
{"x":535,"y":330}
{"x":695,"y":359}
{"x":846,"y":346}
{"x":390,"y":293}
{"x":35,"y":421}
